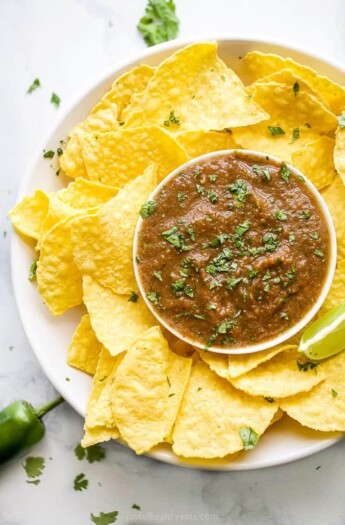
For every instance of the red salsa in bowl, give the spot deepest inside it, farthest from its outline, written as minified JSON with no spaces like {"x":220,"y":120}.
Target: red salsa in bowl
{"x":234,"y":251}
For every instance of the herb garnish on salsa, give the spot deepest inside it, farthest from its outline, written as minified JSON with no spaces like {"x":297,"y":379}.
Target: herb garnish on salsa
{"x":241,"y":257}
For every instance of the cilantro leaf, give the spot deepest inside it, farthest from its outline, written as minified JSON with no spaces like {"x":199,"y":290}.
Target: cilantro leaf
{"x":80,"y":482}
{"x":147,"y":209}
{"x":159,"y":23}
{"x":80,"y":452}
{"x":295,"y":134}
{"x":295,"y":88}
{"x":173,"y":119}
{"x":34,"y":466}
{"x":55,"y":100}
{"x":133,"y":298}
{"x":36,"y":84}
{"x":153,"y":297}
{"x":135,"y":506}
{"x":275,"y":130}
{"x":249,"y":438}
{"x":105,"y":518}
{"x":240,"y":190}
{"x":285,"y":173}
{"x":92,"y":454}
{"x":48,"y":154}
{"x":308,"y":365}
{"x":33,"y":271}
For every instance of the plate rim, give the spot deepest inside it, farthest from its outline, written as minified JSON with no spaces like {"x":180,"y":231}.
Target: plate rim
{"x":110,"y":73}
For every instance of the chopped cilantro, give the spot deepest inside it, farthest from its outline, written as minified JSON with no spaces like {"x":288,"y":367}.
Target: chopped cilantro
{"x":275,"y":130}
{"x":269,"y":399}
{"x":210,"y":342}
{"x":153,"y":297}
{"x":270,"y":241}
{"x":134,"y":297}
{"x":239,"y":189}
{"x":80,"y":482}
{"x":308,"y":365}
{"x":284,"y":315}
{"x":135,"y":506}
{"x":212,"y":306}
{"x":295,"y":88}
{"x":59,"y":152}
{"x":48,"y":154}
{"x":213,"y":198}
{"x":241,"y":229}
{"x":200,"y":316}
{"x":188,"y":291}
{"x":314,"y":235}
{"x":181,"y":196}
{"x":172,"y":120}
{"x":249,"y":438}
{"x":147,"y":209}
{"x":231,"y":283}
{"x":212,"y":178}
{"x":36,"y":84}
{"x":263,"y":172}
{"x":158,"y":275}
{"x":223,"y":327}
{"x":267,"y":288}
{"x":319,"y":253}
{"x":105,"y":518}
{"x":33,"y":271}
{"x":34,"y":466}
{"x":295,"y":134}
{"x":172,"y":394}
{"x":253,"y":274}
{"x":191,"y":233}
{"x":218,"y":241}
{"x":174,"y":237}
{"x":285,"y":173}
{"x":280,"y":215}
{"x":341,"y":121}
{"x":292,"y":237}
{"x":334,"y":393}
{"x":305,"y":215}
{"x":200,"y":189}
{"x":267,"y":275}
{"x":159,"y":23}
{"x":55,"y":100}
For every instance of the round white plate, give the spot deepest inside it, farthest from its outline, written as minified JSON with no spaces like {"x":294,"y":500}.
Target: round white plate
{"x":50,"y":336}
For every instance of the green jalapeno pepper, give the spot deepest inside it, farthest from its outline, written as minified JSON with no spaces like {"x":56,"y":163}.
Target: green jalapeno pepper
{"x":21,"y":427}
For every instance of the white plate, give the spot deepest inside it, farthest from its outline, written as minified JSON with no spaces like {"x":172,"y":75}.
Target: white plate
{"x":49,"y":336}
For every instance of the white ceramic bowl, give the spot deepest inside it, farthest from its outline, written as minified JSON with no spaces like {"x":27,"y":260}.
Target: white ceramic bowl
{"x":280,"y":338}
{"x":50,"y":336}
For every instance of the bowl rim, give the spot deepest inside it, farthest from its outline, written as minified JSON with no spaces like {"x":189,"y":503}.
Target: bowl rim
{"x":308,"y":316}
{"x":79,"y":99}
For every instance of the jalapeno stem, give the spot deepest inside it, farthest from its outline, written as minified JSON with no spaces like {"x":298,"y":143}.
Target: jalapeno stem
{"x":41,"y":411}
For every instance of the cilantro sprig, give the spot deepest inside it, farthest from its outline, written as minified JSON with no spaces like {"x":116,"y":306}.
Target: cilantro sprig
{"x":159,"y":23}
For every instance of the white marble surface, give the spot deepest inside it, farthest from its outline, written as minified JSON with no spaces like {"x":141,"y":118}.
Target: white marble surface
{"x":68,"y":44}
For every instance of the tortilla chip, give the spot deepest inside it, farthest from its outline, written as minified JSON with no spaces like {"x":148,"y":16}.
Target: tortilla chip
{"x":334,"y":196}
{"x":288,"y":112}
{"x":279,"y":377}
{"x":315,"y":161}
{"x":262,"y":64}
{"x":83,"y":194}
{"x":99,"y":421}
{"x":218,"y":363}
{"x":28,"y":215}
{"x":134,"y":120}
{"x":212,"y":414}
{"x":339,"y":152}
{"x":71,"y":161}
{"x":200,"y":91}
{"x":241,"y":364}
{"x":57,"y":212}
{"x":84,"y":349}
{"x":126,"y":90}
{"x":323,"y":408}
{"x":116,"y":321}
{"x":336,"y":293}
{"x":117,"y":158}
{"x":147,"y":391}
{"x":103,"y":243}
{"x":59,"y":279}
{"x":198,"y":143}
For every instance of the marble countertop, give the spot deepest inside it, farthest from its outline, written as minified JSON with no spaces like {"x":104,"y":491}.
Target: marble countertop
{"x":69,"y":44}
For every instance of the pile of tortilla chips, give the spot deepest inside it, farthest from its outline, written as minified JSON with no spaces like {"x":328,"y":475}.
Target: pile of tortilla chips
{"x":148,"y":386}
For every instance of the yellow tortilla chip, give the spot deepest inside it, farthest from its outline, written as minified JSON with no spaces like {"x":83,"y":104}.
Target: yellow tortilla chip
{"x":71,"y":161}
{"x":134,"y":120}
{"x":83,"y":351}
{"x":241,"y":364}
{"x":99,"y":421}
{"x":103,"y":243}
{"x":116,"y":321}
{"x":212,"y":414}
{"x":336,"y":293}
{"x":339,"y":151}
{"x":262,"y":64}
{"x":218,"y":363}
{"x":195,"y":87}
{"x":59,"y":279}
{"x":288,"y":112}
{"x":117,"y":158}
{"x":334,"y":196}
{"x":147,"y":391}
{"x":279,"y":377}
{"x":323,"y":408}
{"x":83,"y":194}
{"x":198,"y":143}
{"x":57,"y":212}
{"x":126,"y":90}
{"x":315,"y":161}
{"x":28,"y":215}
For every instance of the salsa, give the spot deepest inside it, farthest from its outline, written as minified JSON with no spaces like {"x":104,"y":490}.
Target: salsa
{"x":233,"y":250}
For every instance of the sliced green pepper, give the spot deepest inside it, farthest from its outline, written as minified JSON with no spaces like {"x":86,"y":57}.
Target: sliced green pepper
{"x":21,"y":427}
{"x":326,"y":336}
